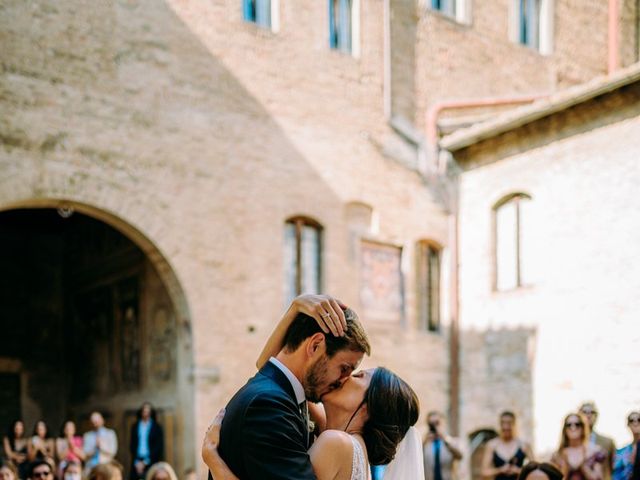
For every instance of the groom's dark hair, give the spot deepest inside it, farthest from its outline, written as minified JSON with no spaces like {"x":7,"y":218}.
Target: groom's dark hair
{"x":304,"y":326}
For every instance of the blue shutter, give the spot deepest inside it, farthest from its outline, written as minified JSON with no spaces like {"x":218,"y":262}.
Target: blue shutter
{"x":523,"y":22}
{"x":333,"y":37}
{"x":248,"y":10}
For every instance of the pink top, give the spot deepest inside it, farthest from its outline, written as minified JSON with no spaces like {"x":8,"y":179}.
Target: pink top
{"x":70,"y":456}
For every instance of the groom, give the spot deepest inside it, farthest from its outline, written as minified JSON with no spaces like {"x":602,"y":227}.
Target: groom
{"x":264,"y":434}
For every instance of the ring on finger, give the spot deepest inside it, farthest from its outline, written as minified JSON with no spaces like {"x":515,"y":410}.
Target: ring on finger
{"x":325,"y":314}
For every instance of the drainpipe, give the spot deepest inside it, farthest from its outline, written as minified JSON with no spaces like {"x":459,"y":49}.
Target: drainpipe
{"x":614,"y":37}
{"x":454,"y":340}
{"x":434,"y":112}
{"x":386,"y":88}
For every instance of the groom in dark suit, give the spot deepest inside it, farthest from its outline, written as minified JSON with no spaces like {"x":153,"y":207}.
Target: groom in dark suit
{"x":265,"y":434}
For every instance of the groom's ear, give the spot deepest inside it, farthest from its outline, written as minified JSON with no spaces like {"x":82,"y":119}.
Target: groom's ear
{"x":315,"y":345}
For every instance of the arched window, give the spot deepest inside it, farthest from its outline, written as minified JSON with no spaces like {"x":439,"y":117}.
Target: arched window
{"x":510,"y":218}
{"x":302,"y":257}
{"x":428,"y":284}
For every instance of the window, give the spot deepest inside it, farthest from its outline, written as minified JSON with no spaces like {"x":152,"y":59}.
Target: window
{"x":344,"y":26}
{"x":302,"y":257}
{"x":261,"y":12}
{"x":428,"y":271}
{"x":448,"y":7}
{"x":510,"y":217}
{"x":532,"y":24}
{"x":459,"y":10}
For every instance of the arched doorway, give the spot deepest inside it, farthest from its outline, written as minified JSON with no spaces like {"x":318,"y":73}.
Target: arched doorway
{"x":93,"y":319}
{"x":477,"y":443}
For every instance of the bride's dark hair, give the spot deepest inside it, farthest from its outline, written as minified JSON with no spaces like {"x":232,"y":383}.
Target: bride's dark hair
{"x":393,"y":407}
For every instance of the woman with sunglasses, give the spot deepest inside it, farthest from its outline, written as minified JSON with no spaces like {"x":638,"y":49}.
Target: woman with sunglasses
{"x":576,"y":457}
{"x":627,"y":463}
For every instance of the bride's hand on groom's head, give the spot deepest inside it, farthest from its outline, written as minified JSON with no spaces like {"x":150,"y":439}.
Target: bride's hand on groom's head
{"x":326,"y":310}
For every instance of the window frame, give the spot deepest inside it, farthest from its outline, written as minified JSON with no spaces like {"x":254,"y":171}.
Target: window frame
{"x":516,"y":197}
{"x":274,"y":15}
{"x":461,"y":10}
{"x":354,"y":18}
{"x":429,"y":297}
{"x":299,"y":222}
{"x":545,"y":34}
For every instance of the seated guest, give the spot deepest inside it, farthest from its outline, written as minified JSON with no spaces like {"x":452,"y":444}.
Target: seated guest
{"x":40,"y":470}
{"x":111,"y":470}
{"x":8,"y":471}
{"x":15,"y":448}
{"x":100,"y":444}
{"x":69,"y":447}
{"x":72,"y":471}
{"x":41,"y":446}
{"x":540,"y":471}
{"x":161,"y":471}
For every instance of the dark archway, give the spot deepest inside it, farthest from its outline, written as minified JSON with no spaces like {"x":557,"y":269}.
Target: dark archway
{"x":88,"y":324}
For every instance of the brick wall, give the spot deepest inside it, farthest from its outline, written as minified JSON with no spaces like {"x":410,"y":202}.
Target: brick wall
{"x":197,"y":135}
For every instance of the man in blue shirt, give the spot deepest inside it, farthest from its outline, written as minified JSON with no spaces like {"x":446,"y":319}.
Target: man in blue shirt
{"x":147,"y":442}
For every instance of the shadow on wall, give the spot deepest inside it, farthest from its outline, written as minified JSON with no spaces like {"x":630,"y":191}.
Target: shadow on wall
{"x":497,"y":375}
{"x":120,"y":107}
{"x":140,"y":97}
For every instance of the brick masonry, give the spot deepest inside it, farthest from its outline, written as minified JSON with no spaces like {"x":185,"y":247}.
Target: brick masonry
{"x":198,"y":134}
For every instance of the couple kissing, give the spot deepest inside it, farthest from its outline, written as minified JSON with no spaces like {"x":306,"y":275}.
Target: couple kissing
{"x":305,"y":415}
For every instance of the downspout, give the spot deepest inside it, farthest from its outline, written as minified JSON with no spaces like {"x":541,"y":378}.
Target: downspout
{"x":434,"y":112}
{"x":386,"y":86}
{"x":454,"y":340}
{"x":613,"y":63}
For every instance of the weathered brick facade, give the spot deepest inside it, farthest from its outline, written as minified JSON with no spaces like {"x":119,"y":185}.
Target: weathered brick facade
{"x":198,"y":134}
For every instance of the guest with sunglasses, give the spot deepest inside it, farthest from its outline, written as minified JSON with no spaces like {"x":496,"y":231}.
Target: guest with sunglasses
{"x":627,"y":461}
{"x":576,"y":457}
{"x":589,"y":410}
{"x":41,"y":470}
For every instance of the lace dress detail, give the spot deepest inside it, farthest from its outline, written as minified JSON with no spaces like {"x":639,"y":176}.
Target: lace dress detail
{"x":359,"y":468}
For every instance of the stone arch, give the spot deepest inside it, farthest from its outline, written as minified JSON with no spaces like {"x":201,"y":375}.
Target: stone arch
{"x":183,"y":419}
{"x":129,"y":230}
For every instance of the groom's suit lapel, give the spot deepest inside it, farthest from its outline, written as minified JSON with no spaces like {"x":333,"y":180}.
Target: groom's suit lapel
{"x":274,"y":373}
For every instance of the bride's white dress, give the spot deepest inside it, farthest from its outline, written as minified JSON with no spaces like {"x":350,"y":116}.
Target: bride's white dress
{"x":359,"y":468}
{"x":407,"y":465}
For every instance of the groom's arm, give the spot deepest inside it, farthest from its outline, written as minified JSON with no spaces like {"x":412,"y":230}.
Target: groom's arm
{"x":274,"y":441}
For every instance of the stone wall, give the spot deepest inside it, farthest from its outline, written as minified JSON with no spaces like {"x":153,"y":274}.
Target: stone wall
{"x":579,"y":166}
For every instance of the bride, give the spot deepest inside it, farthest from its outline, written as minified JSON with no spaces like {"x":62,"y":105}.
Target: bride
{"x":367,"y":421}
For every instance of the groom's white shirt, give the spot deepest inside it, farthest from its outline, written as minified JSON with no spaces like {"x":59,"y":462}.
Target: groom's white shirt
{"x":293,"y":380}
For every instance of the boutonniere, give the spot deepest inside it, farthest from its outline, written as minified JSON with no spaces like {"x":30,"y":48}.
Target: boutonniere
{"x":312,"y":426}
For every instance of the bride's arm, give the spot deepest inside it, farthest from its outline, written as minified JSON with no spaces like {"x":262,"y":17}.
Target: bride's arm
{"x":217,"y":466}
{"x":318,"y":415}
{"x":313,"y":305}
